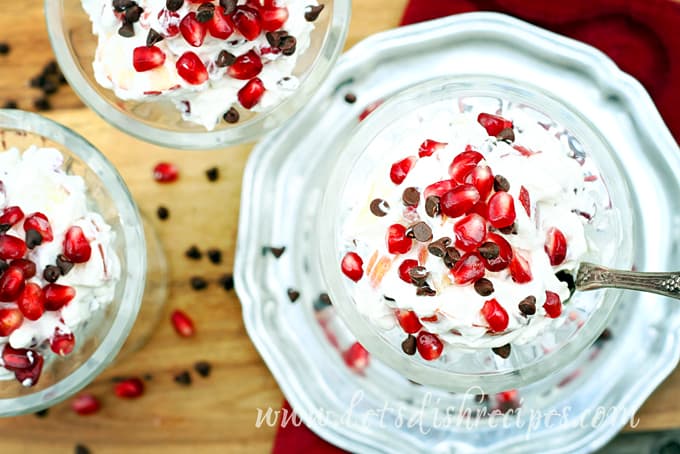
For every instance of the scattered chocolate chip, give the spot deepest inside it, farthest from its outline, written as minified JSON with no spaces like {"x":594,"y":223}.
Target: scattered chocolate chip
{"x":215,"y":256}
{"x":81,"y":449}
{"x":411,"y":197}
{"x":409,"y":345}
{"x":605,"y":335}
{"x":122,"y":5}
{"x":567,"y":278}
{"x":153,"y":38}
{"x":484,"y":287}
{"x":10,"y":104}
{"x":379,"y":207}
{"x":500,"y":183}
{"x":212,"y":174}
{"x":528,"y":305}
{"x":425,"y":290}
{"x":173,"y":5}
{"x":293,"y":295}
{"x":163,"y":213}
{"x":38,"y":81}
{"x":4,"y":48}
{"x":4,"y":227}
{"x":418,"y":275}
{"x":275,"y":39}
{"x":389,"y":298}
{"x":227,"y":282}
{"x":489,"y":250}
{"x":133,"y":13}
{"x":452,"y":256}
{"x":231,"y":116}
{"x":322,"y":302}
{"x":313,"y":11}
{"x":50,"y":87}
{"x":509,"y":230}
{"x":147,"y":377}
{"x":507,"y":134}
{"x":277,"y":251}
{"x":183,"y":378}
{"x":51,"y":68}
{"x":350,"y":98}
{"x":288,"y":45}
{"x":33,"y":238}
{"x":228,"y":5}
{"x":42,"y":104}
{"x":205,"y":12}
{"x":194,"y":253}
{"x":422,"y":232}
{"x":203,"y":368}
{"x":64,"y":264}
{"x":438,"y":248}
{"x":51,"y":273}
{"x":225,"y":59}
{"x":126,"y":30}
{"x":502,"y":351}
{"x":198,"y":283}
{"x":432,"y":206}
{"x":42,"y":413}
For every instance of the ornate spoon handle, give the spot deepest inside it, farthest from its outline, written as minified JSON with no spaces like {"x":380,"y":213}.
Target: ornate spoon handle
{"x":591,"y":277}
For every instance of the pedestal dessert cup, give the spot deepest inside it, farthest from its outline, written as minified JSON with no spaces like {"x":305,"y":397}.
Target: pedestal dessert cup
{"x":609,"y":231}
{"x":159,"y":122}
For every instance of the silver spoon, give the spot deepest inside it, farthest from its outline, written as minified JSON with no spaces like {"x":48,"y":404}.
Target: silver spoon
{"x":592,"y":277}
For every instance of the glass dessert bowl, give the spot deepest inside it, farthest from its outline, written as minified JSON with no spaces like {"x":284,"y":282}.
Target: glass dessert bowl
{"x":453,"y":226}
{"x":196,"y":74}
{"x":72,"y":276}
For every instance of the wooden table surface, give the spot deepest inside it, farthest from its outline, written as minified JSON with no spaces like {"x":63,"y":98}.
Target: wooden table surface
{"x":216,"y":414}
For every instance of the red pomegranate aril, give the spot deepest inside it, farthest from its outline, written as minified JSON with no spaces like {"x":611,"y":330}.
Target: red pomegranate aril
{"x":439,"y":188}
{"x":552,"y":305}
{"x":501,"y":210}
{"x":504,"y":255}
{"x":397,"y":241}
{"x":246,"y":66}
{"x":130,"y":388}
{"x":14,"y":359}
{"x":192,"y":30}
{"x":352,"y":266}
{"x":481,"y":178}
{"x":400,"y":169}
{"x":62,"y":343}
{"x":405,"y":268}
{"x":459,"y":201}
{"x":85,"y":404}
{"x":165,"y":172}
{"x":11,"y":284}
{"x":356,"y":357}
{"x":26,"y":266}
{"x":273,"y":18}
{"x":525,"y":200}
{"x":408,"y":320}
{"x":39,"y":222}
{"x":429,"y":147}
{"x":524,"y":151}
{"x":169,"y":22}
{"x":468,"y":269}
{"x":191,"y":68}
{"x":11,"y":247}
{"x":470,"y":232}
{"x":31,"y":301}
{"x":370,"y":109}
{"x":519,"y":269}
{"x":182,"y":323}
{"x":247,"y":22}
{"x":464,"y":163}
{"x":31,"y":375}
{"x":221,"y":25}
{"x":76,"y":247}
{"x":147,"y":58}
{"x":481,"y":208}
{"x":251,"y":93}
{"x":495,"y":315}
{"x":493,"y":124}
{"x":57,"y":296}
{"x":555,"y":246}
{"x":10,"y":320}
{"x":10,"y":216}
{"x":429,"y":346}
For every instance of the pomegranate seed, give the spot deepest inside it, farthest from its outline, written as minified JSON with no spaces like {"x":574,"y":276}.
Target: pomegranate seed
{"x":481,"y":208}
{"x":147,"y":58}
{"x":182,"y":323}
{"x":10,"y":216}
{"x":405,"y":268}
{"x":463,"y":163}
{"x":11,"y":284}
{"x":555,"y":246}
{"x":191,"y":68}
{"x":76,"y":247}
{"x":26,"y":266}
{"x":525,"y":200}
{"x":468,"y":269}
{"x":165,"y":172}
{"x":40,"y":223}
{"x":481,"y":178}
{"x":504,"y":255}
{"x":10,"y":320}
{"x":401,"y":168}
{"x":247,"y":22}
{"x":370,"y":109}
{"x":397,"y":241}
{"x":552,"y":305}
{"x":221,"y":25}
{"x":169,"y":22}
{"x":523,"y":150}
{"x":273,"y":18}
{"x":508,"y":400}
{"x":519,"y":269}
{"x":429,"y":346}
{"x":459,"y":201}
{"x":352,"y":266}
{"x":246,"y":66}
{"x":439,"y":188}
{"x":356,"y":357}
{"x":493,"y":124}
{"x":15,"y":359}
{"x":408,"y":320}
{"x":85,"y":404}
{"x":470,"y":232}
{"x":430,"y":319}
{"x":495,"y":315}
{"x":57,"y":296}
{"x":501,"y":210}
{"x":62,"y":343}
{"x":428,"y":148}
{"x":31,"y":301}
{"x":130,"y":388}
{"x":251,"y":93}
{"x":31,"y":375}
{"x":11,"y":247}
{"x":192,"y":30}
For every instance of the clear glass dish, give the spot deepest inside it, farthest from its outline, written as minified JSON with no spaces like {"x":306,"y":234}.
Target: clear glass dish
{"x":611,"y":229}
{"x":104,"y":333}
{"x":70,"y":32}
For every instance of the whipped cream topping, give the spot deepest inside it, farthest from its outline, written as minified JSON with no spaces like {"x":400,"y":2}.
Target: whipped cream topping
{"x":203,"y":104}
{"x":36,"y":182}
{"x":558,"y":188}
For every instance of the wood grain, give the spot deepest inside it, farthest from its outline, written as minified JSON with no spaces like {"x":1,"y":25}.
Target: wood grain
{"x":215,"y":414}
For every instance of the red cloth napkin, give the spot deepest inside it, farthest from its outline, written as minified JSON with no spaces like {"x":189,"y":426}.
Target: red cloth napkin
{"x":641,"y":36}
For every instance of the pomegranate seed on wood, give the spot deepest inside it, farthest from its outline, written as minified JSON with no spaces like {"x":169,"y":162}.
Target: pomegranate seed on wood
{"x":57,"y":296}
{"x":501,"y":210}
{"x":428,"y":148}
{"x":147,"y":58}
{"x":14,"y":359}
{"x":468,"y":269}
{"x":504,"y":256}
{"x":245,"y":66}
{"x":405,"y":268}
{"x":182,"y":323}
{"x":30,"y":376}
{"x":130,"y":388}
{"x":9,"y":217}
{"x":493,"y":124}
{"x":408,"y":320}
{"x":251,"y":93}
{"x":397,"y":241}
{"x":11,"y":247}
{"x":76,"y":247}
{"x":10,"y":320}
{"x":463,"y":163}
{"x":356,"y":357}
{"x":459,"y":201}
{"x":400,"y":169}
{"x":190,"y":68}
{"x":273,"y":18}
{"x":11,"y":284}
{"x":429,"y":346}
{"x":352,"y":266}
{"x":221,"y":25}
{"x":481,"y":178}
{"x":31,"y":301}
{"x":495,"y":315}
{"x":192,"y":30}
{"x":247,"y":22}
{"x":553,"y":304}
{"x":470,"y":232}
{"x":555,"y":246}
{"x":525,"y":200}
{"x":62,"y":343}
{"x":85,"y":404}
{"x":519,"y":269}
{"x":165,"y":172}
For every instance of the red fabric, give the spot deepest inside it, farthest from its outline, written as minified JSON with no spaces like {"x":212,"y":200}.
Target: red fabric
{"x":641,"y":36}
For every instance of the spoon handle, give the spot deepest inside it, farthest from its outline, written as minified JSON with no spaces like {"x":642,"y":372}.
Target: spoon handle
{"x":592,"y":277}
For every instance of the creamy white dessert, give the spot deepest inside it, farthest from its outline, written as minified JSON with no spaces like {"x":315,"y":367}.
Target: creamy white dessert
{"x":72,"y":258}
{"x":510,"y":203}
{"x":151,"y":50}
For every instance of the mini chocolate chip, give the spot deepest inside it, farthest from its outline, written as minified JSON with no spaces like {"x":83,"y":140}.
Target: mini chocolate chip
{"x":322,"y":302}
{"x":422,"y":232}
{"x":64,"y":264}
{"x":232,"y":116}
{"x":432,"y":206}
{"x":604,"y":336}
{"x":153,"y":38}
{"x":227,"y":282}
{"x":10,"y":104}
{"x":215,"y":256}
{"x":567,"y":278}
{"x":42,"y":104}
{"x":51,"y":273}
{"x":313,"y":11}
{"x":203,"y":368}
{"x":193,"y":253}
{"x":500,"y":183}
{"x":293,"y":295}
{"x":425,"y":290}
{"x":147,"y":377}
{"x":225,"y":59}
{"x":418,"y":275}
{"x":173,"y":5}
{"x":3,"y":266}
{"x":212,"y":174}
{"x":452,"y":256}
{"x":205,"y":12}
{"x":122,"y":5}
{"x":502,"y":351}
{"x":276,"y":38}
{"x":228,"y":5}
{"x":438,"y":248}
{"x":288,"y":45}
{"x":33,"y":238}
{"x":51,"y":68}
{"x":38,"y":81}
{"x":163,"y":213}
{"x":183,"y":378}
{"x":127,"y":30}
{"x":42,"y":413}
{"x":81,"y":449}
{"x":379,"y":207}
{"x":411,"y":197}
{"x":198,"y":283}
{"x":484,"y":287}
{"x":4,"y":227}
{"x":133,"y":13}
{"x":489,"y":250}
{"x":4,"y":48}
{"x":350,"y":98}
{"x":409,"y":345}
{"x":507,"y":134}
{"x":50,"y":87}
{"x":277,"y":251}
{"x":528,"y":305}
{"x":510,"y":230}
{"x":389,"y":298}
